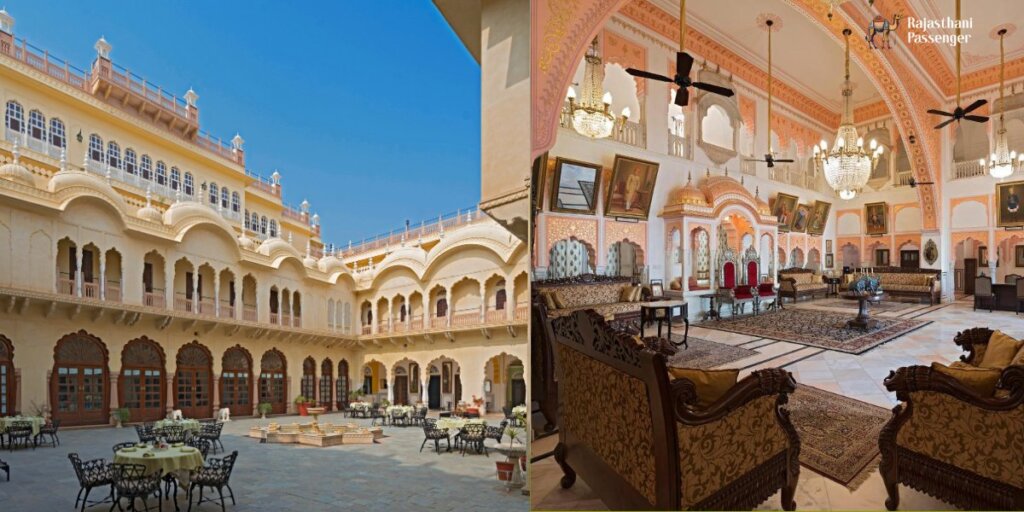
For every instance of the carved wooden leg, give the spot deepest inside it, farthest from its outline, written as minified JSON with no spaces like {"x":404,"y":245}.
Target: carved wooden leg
{"x":887,"y":468}
{"x":788,"y":492}
{"x":569,"y":478}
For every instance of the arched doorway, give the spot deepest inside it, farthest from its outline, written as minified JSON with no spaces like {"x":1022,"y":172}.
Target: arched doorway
{"x":444,"y":383}
{"x":7,"y":377}
{"x":402,"y":388}
{"x":79,"y":382}
{"x":142,"y":387}
{"x":342,"y":385}
{"x":375,"y":380}
{"x":193,"y":380}
{"x":506,"y":388}
{"x":308,"y":387}
{"x":273,"y":383}
{"x":326,"y":377}
{"x":236,"y":381}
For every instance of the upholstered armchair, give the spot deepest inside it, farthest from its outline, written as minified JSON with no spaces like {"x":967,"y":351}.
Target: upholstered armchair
{"x":640,"y":441}
{"x":948,"y":441}
{"x":983,"y":293}
{"x":730,"y":291}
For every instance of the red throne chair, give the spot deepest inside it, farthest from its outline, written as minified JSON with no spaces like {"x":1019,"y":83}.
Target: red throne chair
{"x":731,"y":291}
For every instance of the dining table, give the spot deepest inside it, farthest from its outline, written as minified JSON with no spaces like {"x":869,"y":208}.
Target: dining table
{"x":37,"y":422}
{"x":190,"y":425}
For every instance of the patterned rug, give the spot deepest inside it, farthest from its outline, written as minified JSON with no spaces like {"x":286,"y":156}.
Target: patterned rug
{"x":838,"y":435}
{"x":706,"y":354}
{"x":824,"y":329}
{"x":884,"y":306}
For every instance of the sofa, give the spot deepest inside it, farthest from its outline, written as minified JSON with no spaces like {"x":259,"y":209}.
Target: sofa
{"x":602,"y":294}
{"x":906,"y":282}
{"x":642,"y":441}
{"x":797,"y":283}
{"x":951,"y":440}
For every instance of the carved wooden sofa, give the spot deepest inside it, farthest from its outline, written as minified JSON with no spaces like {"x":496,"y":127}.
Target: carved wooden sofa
{"x":907,"y":282}
{"x":640,"y":441}
{"x":600,"y":293}
{"x":797,"y":283}
{"x":948,"y":441}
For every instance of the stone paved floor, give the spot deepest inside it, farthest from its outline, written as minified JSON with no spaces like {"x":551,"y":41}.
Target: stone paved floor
{"x":389,"y":475}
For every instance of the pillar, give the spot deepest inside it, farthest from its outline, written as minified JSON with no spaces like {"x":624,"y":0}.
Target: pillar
{"x":170,"y":392}
{"x":78,"y":271}
{"x":103,"y":275}
{"x":510,"y":298}
{"x":374,"y":319}
{"x":216,"y":295}
{"x":451,"y":306}
{"x":168,"y":284}
{"x":195,"y":291}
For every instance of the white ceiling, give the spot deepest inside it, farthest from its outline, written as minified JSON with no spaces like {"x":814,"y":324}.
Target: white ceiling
{"x":982,"y":50}
{"x":803,"y":54}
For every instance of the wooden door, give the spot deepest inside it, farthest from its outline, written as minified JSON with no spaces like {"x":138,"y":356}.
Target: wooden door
{"x":79,"y":383}
{"x":910,"y":259}
{"x":401,"y":390}
{"x":518,"y":392}
{"x":341,"y":393}
{"x":236,"y":381}
{"x":326,"y":383}
{"x":434,"y":392}
{"x":141,"y":385}
{"x":970,"y":273}
{"x":193,"y":381}
{"x":7,"y":380}
{"x":273,"y":387}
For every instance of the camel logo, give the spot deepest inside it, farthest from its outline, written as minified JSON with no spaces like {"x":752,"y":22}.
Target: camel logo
{"x":883,"y":27}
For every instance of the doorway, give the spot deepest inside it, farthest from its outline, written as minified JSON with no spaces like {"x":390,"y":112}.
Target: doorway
{"x":518,"y":392}
{"x":401,"y":390}
{"x":910,"y":259}
{"x":970,"y":273}
{"x":434,"y":392}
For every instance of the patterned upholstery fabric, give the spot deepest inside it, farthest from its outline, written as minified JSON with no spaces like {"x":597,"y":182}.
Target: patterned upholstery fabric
{"x":605,"y":310}
{"x":751,"y":273}
{"x":601,"y":297}
{"x":900,"y":281}
{"x":715,"y":454}
{"x":728,"y":275}
{"x":989,"y":443}
{"x":608,"y":410}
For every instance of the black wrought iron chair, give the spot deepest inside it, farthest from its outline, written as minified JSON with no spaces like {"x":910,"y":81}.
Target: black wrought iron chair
{"x":498,"y":432}
{"x":126,"y":444}
{"x":20,"y":433}
{"x":377,"y":413}
{"x":216,"y":474}
{"x":131,"y":482}
{"x":211,"y":432}
{"x":509,"y":417}
{"x":146,"y":433}
{"x":7,"y":470}
{"x":91,"y":474}
{"x":419,"y":416}
{"x":173,"y":433}
{"x":199,"y":443}
{"x":983,"y":292}
{"x":49,"y":429}
{"x":398,"y":418}
{"x":473,"y":436}
{"x":432,"y":433}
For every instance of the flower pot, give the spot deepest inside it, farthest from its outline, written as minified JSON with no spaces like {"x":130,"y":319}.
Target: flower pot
{"x":303,"y":409}
{"x":505,"y":470}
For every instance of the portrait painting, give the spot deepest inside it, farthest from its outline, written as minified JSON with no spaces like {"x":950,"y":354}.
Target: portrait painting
{"x":876,"y":218}
{"x":829,"y":260}
{"x":1010,"y":211}
{"x":575,"y":186}
{"x":801,"y":218}
{"x":983,"y":255}
{"x":631,"y":188}
{"x":784,"y":208}
{"x":828,"y":246}
{"x":819,"y":218}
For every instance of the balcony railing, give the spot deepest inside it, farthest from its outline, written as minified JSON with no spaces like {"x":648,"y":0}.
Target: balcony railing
{"x":290,"y":212}
{"x":678,"y":146}
{"x":52,"y":66}
{"x":968,"y":169}
{"x":112,"y":292}
{"x":206,"y":307}
{"x":249,"y":313}
{"x":903,"y":179}
{"x":367,"y":329}
{"x":264,"y":184}
{"x":748,"y":167}
{"x":297,"y":321}
{"x":466,"y":317}
{"x":416,"y":230}
{"x":439,"y":322}
{"x":522,"y":312}
{"x":495,"y":316}
{"x":226,"y":309}
{"x":65,"y":286}
{"x":154,"y":299}
{"x":275,"y":318}
{"x":183,"y":304}
{"x":631,"y":132}
{"x":43,"y":146}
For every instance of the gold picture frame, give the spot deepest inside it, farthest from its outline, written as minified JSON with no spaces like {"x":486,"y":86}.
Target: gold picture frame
{"x":801,"y":218}
{"x":577,"y":194}
{"x":876,"y":218}
{"x":1010,"y":204}
{"x":819,"y":218}
{"x":631,"y":188}
{"x":783,"y":210}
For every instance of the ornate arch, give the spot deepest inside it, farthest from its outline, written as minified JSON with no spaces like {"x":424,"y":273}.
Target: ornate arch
{"x":75,"y":355}
{"x":8,"y":378}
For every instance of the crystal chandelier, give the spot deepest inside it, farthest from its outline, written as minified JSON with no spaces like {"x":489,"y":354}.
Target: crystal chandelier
{"x":591,"y":115}
{"x":1003,"y":162}
{"x":847,"y":167}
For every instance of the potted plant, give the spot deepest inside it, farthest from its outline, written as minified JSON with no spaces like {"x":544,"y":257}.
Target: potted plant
{"x":301,"y":405}
{"x":121,"y":416}
{"x":264,"y":408}
{"x":507,"y":467}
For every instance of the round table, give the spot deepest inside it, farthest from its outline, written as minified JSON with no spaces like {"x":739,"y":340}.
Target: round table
{"x":36,"y":421}
{"x":833,"y":285}
{"x":863,"y":321}
{"x":457,"y":423}
{"x":190,"y":425}
{"x":178,"y":461}
{"x":711,"y":312}
{"x":513,"y":454}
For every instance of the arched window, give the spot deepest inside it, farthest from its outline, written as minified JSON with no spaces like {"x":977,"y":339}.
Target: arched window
{"x":341,"y":386}
{"x":15,"y":117}
{"x":308,"y":389}
{"x":254,"y":222}
{"x":161,"y":173}
{"x":236,"y":203}
{"x":175,"y":178}
{"x":326,"y":381}
{"x":188,"y":185}
{"x":442,"y":307}
{"x":146,"y":168}
{"x":273,"y":228}
{"x":224,"y":195}
{"x":57,"y":133}
{"x":213,"y":193}
{"x":95,"y":148}
{"x":245,"y":219}
{"x":130,"y":162}
{"x":263,"y":225}
{"x":114,"y":155}
{"x":7,"y":377}
{"x":36,"y":125}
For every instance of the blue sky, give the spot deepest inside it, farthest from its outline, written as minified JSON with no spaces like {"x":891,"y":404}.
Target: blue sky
{"x":370,"y":110}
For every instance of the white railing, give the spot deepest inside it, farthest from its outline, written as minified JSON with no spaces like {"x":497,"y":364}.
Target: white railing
{"x":678,"y":146}
{"x":903,"y":179}
{"x":748,"y":167}
{"x":968,"y":169}
{"x":38,"y":145}
{"x":632,"y":133}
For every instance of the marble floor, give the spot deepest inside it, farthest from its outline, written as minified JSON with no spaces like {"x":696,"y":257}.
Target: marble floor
{"x":856,"y":376}
{"x":389,"y":475}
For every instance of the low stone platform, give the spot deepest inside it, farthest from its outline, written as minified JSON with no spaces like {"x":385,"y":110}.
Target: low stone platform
{"x":312,"y":434}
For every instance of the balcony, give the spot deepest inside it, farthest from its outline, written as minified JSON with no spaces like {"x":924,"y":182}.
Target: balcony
{"x":249,"y":313}
{"x":184,"y":305}
{"x":466,"y":317}
{"x":367,"y":329}
{"x":275,"y":318}
{"x":631,"y":132}
{"x":968,"y":169}
{"x":426,"y":228}
{"x":206,"y":307}
{"x":154,"y":299}
{"x":459,"y":320}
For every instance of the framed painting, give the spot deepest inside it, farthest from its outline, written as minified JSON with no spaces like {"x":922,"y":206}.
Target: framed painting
{"x":876,"y":218}
{"x":631,"y":188}
{"x":828,"y":246}
{"x":829,"y":260}
{"x":783,"y":209}
{"x":540,"y":165}
{"x":575,"y":186}
{"x":446,"y":377}
{"x":1019,"y":255}
{"x":1010,"y":212}
{"x":983,"y":255}
{"x":819,"y":218}
{"x":801,"y":218}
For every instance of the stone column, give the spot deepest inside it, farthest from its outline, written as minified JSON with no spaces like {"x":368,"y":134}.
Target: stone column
{"x":78,"y":271}
{"x":510,"y":298}
{"x":216,"y":293}
{"x":168,"y":285}
{"x":451,"y":306}
{"x":195,"y":291}
{"x":390,"y":313}
{"x":114,"y":404}
{"x":103,"y":275}
{"x":170,"y":393}
{"x":373,"y":317}
{"x":483,"y":301}
{"x":215,"y":399}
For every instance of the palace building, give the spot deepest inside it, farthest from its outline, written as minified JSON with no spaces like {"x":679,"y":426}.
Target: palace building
{"x":144,"y":266}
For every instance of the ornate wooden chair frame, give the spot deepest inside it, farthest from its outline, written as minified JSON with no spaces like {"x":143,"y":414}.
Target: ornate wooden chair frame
{"x":730,"y":290}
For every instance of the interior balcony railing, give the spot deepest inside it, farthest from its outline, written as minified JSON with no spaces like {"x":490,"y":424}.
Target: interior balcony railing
{"x":678,"y":146}
{"x":249,"y":313}
{"x":968,"y":169}
{"x":903,"y":179}
{"x":154,"y":299}
{"x":748,"y":167}
{"x":275,"y":318}
{"x":184,"y":304}
{"x":633,"y":133}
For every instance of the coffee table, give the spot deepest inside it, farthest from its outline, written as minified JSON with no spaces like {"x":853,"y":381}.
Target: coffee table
{"x":863,"y":321}
{"x":661,"y":312}
{"x":833,"y":285}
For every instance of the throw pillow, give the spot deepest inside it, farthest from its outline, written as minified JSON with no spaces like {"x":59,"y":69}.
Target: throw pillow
{"x":626,"y":295}
{"x":559,"y":299}
{"x":980,"y":380}
{"x":549,"y":301}
{"x":639,"y":342}
{"x":711,"y":384}
{"x":1001,"y":350}
{"x":1019,"y":358}
{"x":637,"y":293}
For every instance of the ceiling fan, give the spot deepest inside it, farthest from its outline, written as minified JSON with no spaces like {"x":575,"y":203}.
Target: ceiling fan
{"x":684,"y":63}
{"x":960,"y":112}
{"x":914,"y":183}
{"x":769,"y":157}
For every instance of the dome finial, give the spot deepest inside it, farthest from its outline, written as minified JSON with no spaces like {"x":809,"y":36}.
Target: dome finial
{"x":689,"y":177}
{"x":149,"y":196}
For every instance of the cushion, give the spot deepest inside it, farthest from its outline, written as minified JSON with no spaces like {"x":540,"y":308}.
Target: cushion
{"x":979,"y":352}
{"x":627,"y":294}
{"x":559,"y":300}
{"x":637,"y":293}
{"x":1019,"y":358}
{"x":711,"y":384}
{"x":1001,"y":350}
{"x":676,"y":284}
{"x":549,"y":300}
{"x":980,"y":380}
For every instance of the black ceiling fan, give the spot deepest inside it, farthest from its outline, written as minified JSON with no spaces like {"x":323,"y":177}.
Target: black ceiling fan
{"x":684,"y":63}
{"x":914,"y":183}
{"x":959,"y":112}
{"x":769,"y":157}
